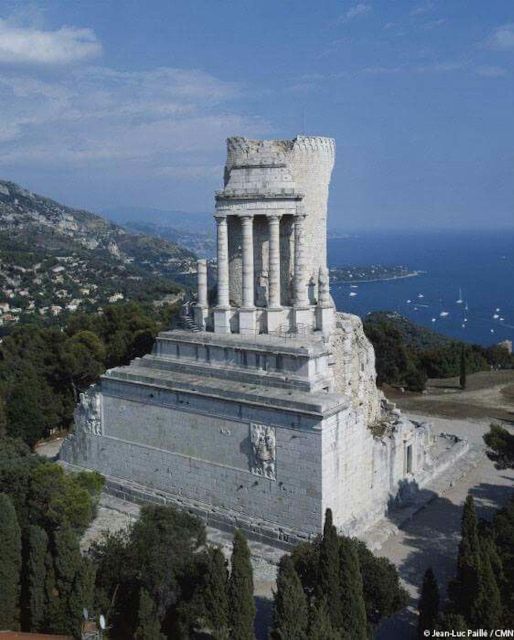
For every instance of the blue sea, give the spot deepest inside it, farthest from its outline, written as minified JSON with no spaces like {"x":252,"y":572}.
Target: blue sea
{"x":477,"y":267}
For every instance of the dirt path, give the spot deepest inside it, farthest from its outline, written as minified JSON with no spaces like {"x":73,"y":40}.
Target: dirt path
{"x":432,"y":536}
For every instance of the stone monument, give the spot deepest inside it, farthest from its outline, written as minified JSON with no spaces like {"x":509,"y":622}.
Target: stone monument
{"x":263,"y":410}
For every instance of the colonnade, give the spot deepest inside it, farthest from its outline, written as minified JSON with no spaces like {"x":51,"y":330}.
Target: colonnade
{"x":274,"y":294}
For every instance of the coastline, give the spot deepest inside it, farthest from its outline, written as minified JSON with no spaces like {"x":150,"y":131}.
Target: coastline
{"x":411,"y":274}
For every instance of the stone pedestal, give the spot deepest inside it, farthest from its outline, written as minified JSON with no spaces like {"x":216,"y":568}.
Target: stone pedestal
{"x":325,"y":319}
{"x":303,"y":319}
{"x":247,"y":325}
{"x":274,"y":318}
{"x":222,"y":320}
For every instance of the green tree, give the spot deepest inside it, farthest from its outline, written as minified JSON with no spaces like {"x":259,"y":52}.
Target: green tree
{"x":383,"y":593}
{"x":73,"y":582}
{"x":329,"y":586}
{"x":215,"y":594}
{"x":464,"y":591}
{"x":450,"y":621}
{"x":35,"y":571}
{"x":353,"y":608}
{"x":83,"y":359}
{"x":242,"y":605}
{"x":290,"y":612}
{"x":10,"y":565}
{"x":149,"y":625}
{"x":501,"y":445}
{"x":462,"y":374}
{"x":428,"y":606}
{"x":25,"y":418}
{"x":320,"y":627}
{"x":488,"y":608}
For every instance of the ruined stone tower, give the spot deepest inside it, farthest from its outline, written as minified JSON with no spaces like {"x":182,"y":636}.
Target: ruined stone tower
{"x":264,"y":411}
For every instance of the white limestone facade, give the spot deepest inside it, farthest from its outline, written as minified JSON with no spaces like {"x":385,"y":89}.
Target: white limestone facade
{"x":262,"y":411}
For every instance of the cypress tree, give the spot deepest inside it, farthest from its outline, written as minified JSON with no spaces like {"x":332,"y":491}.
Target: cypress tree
{"x":428,"y":606}
{"x":149,"y":626}
{"x":353,"y":608}
{"x":242,"y":605}
{"x":329,"y":586}
{"x":320,"y":627}
{"x":72,"y":582}
{"x":487,"y":610}
{"x":462,"y":377}
{"x":464,"y":591}
{"x":10,"y":565}
{"x":52,"y":603}
{"x":452,"y":622}
{"x":215,"y":596}
{"x":290,"y":612}
{"x":35,"y":569}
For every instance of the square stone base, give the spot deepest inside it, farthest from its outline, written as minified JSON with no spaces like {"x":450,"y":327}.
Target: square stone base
{"x":274,"y":318}
{"x":247,"y":323}
{"x":303,"y":319}
{"x":325,"y":319}
{"x":221,"y":320}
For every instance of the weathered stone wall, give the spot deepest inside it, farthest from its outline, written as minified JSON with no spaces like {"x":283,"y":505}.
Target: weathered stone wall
{"x":311,"y":160}
{"x":203,"y":453}
{"x":354,"y":368}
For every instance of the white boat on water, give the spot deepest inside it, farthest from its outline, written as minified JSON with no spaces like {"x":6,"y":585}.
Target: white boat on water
{"x":352,"y":293}
{"x":443,"y":314}
{"x":420,"y":295}
{"x":496,"y":316}
{"x":460,"y":299}
{"x":466,"y":308}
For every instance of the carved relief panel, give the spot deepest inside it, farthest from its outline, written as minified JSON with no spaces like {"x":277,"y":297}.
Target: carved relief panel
{"x":263,"y":453}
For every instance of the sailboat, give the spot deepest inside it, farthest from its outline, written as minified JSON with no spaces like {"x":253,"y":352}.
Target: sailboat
{"x":466,"y":308}
{"x":460,"y":300}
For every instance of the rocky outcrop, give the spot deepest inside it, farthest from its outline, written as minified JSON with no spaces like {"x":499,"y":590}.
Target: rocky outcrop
{"x":354,"y":366}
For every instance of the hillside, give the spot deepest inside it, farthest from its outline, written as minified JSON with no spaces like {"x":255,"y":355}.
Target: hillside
{"x":413,"y":335}
{"x":407,"y":354}
{"x":55,"y":259}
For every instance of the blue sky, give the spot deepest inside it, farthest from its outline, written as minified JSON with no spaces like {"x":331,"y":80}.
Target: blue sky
{"x":127,"y":103}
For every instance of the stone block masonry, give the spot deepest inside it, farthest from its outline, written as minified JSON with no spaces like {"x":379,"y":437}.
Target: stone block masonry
{"x":268,"y":413}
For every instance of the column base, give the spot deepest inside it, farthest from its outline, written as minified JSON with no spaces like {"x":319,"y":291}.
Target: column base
{"x":303,"y":319}
{"x":222,"y":320}
{"x":325,"y":319}
{"x":274,"y":318}
{"x":200,"y":315}
{"x":247,"y":324}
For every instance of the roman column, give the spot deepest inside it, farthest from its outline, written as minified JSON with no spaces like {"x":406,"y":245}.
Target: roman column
{"x":274,"y":261}
{"x":248,"y":278}
{"x":301,"y":298}
{"x":202,"y":282}
{"x":223,"y":285}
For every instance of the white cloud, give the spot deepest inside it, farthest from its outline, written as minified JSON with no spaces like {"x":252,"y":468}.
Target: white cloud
{"x":503,"y":37}
{"x":422,"y":9}
{"x":164,"y":121}
{"x":27,"y":45}
{"x":356,"y":11}
{"x":491,"y":71}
